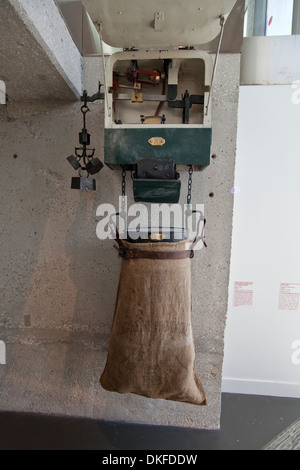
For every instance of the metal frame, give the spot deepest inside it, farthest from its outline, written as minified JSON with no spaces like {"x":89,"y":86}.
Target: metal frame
{"x":151,"y":55}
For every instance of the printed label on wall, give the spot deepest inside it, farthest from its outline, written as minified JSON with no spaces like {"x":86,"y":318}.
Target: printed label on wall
{"x":289,"y":297}
{"x":243,"y":294}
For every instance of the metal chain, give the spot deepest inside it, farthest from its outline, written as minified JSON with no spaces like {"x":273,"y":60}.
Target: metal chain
{"x":190,"y":185}
{"x":123,"y":213}
{"x":123,"y":181}
{"x":85,"y":109}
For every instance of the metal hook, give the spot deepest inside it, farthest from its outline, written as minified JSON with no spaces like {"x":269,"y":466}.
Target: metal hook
{"x":199,"y":236}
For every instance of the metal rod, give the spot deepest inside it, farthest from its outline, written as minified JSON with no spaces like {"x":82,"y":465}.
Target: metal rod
{"x":104,"y":67}
{"x":125,"y":96}
{"x":222,"y":24}
{"x":260,"y":18}
{"x":296,"y":17}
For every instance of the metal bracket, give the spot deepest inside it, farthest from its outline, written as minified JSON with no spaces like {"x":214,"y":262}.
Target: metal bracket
{"x":156,"y":169}
{"x":137,"y":94}
{"x":159,"y":19}
{"x":91,"y":99}
{"x":156,"y":120}
{"x":186,"y":103}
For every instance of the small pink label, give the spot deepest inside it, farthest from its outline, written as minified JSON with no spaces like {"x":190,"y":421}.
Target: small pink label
{"x":289,"y":298}
{"x":243,"y":294}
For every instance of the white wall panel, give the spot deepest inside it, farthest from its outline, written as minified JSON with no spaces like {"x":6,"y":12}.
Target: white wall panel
{"x":262,"y":347}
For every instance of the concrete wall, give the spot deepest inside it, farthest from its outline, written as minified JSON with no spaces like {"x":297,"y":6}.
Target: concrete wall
{"x":39,"y":59}
{"x":270,"y":60}
{"x":59,"y":282}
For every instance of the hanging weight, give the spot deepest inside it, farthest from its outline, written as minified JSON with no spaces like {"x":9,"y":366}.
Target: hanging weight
{"x":84,"y":137}
{"x":84,"y":159}
{"x":74,"y":162}
{"x":83,"y":184}
{"x":94,"y":166}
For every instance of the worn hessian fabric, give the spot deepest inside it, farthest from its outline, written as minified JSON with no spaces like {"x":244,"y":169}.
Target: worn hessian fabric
{"x":151,"y":349}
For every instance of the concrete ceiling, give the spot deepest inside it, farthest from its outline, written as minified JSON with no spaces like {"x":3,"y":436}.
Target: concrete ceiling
{"x":38,"y":58}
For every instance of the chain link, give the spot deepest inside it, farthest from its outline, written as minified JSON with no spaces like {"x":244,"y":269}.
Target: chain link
{"x":123,"y":181}
{"x":123,"y":213}
{"x":190,"y":185}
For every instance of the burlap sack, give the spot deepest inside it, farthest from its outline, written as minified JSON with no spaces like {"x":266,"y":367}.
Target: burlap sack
{"x":151,"y":349}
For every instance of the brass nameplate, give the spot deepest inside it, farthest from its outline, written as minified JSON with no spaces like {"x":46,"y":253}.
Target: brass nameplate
{"x":157,"y":141}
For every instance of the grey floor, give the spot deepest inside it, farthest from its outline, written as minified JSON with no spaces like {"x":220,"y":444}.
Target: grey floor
{"x":248,"y":423}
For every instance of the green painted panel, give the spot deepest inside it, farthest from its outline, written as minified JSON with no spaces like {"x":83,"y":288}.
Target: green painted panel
{"x":157,"y":191}
{"x":185,"y":146}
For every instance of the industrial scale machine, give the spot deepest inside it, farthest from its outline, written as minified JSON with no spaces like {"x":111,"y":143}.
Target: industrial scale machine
{"x":157,"y":94}
{"x":157,"y":91}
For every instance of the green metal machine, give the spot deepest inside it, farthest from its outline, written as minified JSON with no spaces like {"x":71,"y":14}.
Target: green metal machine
{"x":158,"y":89}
